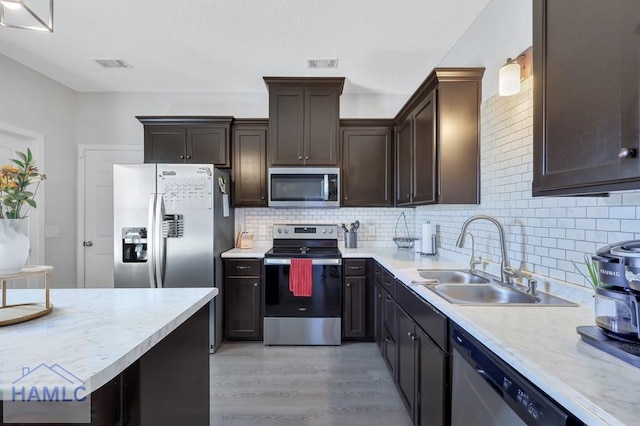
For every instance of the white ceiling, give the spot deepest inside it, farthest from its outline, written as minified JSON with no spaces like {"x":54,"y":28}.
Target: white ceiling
{"x":383,"y":46}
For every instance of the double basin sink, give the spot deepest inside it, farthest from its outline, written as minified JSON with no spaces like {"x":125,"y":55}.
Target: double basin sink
{"x":466,"y":288}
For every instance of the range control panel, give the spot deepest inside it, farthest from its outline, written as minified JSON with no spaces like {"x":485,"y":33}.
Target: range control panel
{"x":307,"y":232}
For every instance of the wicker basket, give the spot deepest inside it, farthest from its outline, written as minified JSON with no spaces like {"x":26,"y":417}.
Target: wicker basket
{"x":404,"y":242}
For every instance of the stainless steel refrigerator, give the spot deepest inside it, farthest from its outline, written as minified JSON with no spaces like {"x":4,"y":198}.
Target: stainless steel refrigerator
{"x":171,"y":223}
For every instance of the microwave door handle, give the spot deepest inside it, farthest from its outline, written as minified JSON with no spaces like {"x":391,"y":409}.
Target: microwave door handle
{"x":326,"y":187}
{"x":151,"y":241}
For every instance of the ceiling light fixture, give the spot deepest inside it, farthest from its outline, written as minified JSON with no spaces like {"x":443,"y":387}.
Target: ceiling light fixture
{"x":513,"y":73}
{"x":27,"y":14}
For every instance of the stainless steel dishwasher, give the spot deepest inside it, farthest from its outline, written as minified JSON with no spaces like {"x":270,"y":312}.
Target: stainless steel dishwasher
{"x":487,"y":391}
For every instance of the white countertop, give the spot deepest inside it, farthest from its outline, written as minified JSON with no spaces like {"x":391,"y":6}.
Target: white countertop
{"x":94,"y":333}
{"x":540,"y":342}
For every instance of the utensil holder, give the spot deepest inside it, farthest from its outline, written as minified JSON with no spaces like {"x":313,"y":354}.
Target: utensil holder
{"x":350,"y":240}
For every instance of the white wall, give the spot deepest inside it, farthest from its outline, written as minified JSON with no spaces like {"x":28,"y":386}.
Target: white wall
{"x":109,"y":118}
{"x":35,"y":103}
{"x":503,"y":30}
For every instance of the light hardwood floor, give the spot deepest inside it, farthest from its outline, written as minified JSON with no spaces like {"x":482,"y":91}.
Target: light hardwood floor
{"x":257,"y":385}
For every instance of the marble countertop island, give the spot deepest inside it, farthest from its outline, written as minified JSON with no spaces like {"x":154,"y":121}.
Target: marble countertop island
{"x":94,"y":333}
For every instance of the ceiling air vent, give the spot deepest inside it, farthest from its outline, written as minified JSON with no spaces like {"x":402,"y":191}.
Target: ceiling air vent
{"x":322,"y":63}
{"x":112,"y":63}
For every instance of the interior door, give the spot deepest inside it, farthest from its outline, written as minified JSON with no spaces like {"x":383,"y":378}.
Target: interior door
{"x":98,"y":213}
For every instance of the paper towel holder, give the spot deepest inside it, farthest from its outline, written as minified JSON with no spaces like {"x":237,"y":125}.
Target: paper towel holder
{"x":434,"y":244}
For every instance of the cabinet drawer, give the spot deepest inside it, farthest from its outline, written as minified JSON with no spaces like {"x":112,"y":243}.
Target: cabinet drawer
{"x":251,"y":267}
{"x":355,"y":267}
{"x":388,"y":282}
{"x":432,"y":321}
{"x":377,"y":273}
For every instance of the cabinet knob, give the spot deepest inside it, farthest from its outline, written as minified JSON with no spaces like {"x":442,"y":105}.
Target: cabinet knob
{"x":410,"y":334}
{"x":188,"y":157}
{"x":348,"y":284}
{"x":182,"y":157}
{"x":262,"y":198}
{"x":300,"y":158}
{"x":627,"y":153}
{"x":306,"y":157}
{"x":346,"y":198}
{"x":255,"y":284}
{"x":408,"y":195}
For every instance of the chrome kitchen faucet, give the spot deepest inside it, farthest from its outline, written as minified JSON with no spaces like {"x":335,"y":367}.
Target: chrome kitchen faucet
{"x":507,"y":273}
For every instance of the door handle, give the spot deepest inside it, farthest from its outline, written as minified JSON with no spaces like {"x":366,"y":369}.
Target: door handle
{"x":87,"y":244}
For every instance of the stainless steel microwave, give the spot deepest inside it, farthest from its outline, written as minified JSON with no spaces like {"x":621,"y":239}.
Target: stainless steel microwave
{"x":306,"y":187}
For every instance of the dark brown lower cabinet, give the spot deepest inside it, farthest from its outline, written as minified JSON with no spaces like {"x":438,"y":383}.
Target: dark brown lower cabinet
{"x":413,"y":339}
{"x":354,"y":306}
{"x":244,"y":307}
{"x":358,"y":300}
{"x":407,"y":368}
{"x":433,"y":386}
{"x":378,"y":306}
{"x":243,"y":299}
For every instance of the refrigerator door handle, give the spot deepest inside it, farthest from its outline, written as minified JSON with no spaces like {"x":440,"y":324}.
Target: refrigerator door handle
{"x":160,"y":241}
{"x":151,"y":240}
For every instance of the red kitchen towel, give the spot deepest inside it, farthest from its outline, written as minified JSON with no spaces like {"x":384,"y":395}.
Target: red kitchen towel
{"x":301,"y":277}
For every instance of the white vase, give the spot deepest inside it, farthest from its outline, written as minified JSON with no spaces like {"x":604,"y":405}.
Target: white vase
{"x":14,"y":246}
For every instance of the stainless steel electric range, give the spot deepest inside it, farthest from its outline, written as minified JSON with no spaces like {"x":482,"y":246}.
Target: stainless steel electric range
{"x":303,"y":320}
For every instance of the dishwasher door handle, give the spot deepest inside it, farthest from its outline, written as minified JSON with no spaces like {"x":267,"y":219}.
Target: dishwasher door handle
{"x":489,"y":380}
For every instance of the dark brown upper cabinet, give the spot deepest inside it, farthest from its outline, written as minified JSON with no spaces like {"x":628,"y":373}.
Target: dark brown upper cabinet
{"x":586,"y":65}
{"x":438,"y":140}
{"x":303,"y":120}
{"x":250,"y":162}
{"x":198,"y":140}
{"x":367,"y":162}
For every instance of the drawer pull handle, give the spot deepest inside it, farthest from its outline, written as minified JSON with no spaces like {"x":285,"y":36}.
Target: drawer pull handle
{"x":242,"y":268}
{"x":356,"y":267}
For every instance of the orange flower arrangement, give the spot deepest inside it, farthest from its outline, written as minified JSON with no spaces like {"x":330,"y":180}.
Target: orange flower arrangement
{"x":15,"y":180}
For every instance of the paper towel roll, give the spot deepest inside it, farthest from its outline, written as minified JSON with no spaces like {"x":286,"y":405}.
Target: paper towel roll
{"x":427,"y":241}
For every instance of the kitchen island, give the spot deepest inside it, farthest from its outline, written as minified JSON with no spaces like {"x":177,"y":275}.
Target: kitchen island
{"x":540,"y":342}
{"x":142,"y":354}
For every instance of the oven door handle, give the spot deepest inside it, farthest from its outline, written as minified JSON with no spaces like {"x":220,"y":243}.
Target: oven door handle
{"x":271,"y":261}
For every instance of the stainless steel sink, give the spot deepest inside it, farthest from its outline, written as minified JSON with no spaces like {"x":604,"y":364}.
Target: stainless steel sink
{"x":481,"y":294}
{"x":464,"y":288}
{"x":450,"y":276}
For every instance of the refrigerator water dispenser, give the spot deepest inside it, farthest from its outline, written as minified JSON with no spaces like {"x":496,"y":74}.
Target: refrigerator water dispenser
{"x":134,"y":244}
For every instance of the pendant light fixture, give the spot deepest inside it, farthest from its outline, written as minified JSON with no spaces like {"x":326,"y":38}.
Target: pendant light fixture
{"x":27,"y":14}
{"x":513,"y":73}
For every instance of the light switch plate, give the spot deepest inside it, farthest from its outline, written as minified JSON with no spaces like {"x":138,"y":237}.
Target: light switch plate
{"x":51,"y":231}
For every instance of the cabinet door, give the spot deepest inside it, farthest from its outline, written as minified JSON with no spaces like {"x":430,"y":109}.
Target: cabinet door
{"x":286,"y":127}
{"x":243,"y":307}
{"x":208,"y":145}
{"x":165,"y":144}
{"x":378,"y":314}
{"x":367,"y":167}
{"x":249,"y":167}
{"x":424,"y":152}
{"x":390,"y":315}
{"x":407,"y":361}
{"x":433,"y":387}
{"x":354,"y":306}
{"x":404,"y":134}
{"x":389,"y":351}
{"x":321,"y":127}
{"x":586,"y":96}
